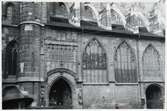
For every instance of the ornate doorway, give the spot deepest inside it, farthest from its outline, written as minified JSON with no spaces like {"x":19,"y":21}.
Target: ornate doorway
{"x":154,"y":97}
{"x":60,"y":96}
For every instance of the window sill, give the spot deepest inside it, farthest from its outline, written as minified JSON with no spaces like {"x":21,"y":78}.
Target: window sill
{"x":95,"y":83}
{"x":121,"y":84}
{"x":151,"y":81}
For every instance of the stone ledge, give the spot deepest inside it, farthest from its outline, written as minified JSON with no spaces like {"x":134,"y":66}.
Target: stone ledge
{"x":87,"y":84}
{"x":122,"y":84}
{"x":23,"y":79}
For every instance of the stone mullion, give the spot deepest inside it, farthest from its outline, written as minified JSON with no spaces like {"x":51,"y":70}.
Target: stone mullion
{"x":90,"y":67}
{"x":117,"y":56}
{"x":121,"y":66}
{"x":128,"y":61}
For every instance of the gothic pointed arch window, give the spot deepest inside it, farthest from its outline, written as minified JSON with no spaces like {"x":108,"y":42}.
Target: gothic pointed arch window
{"x":151,"y":62}
{"x":125,"y":64}
{"x":94,"y":63}
{"x":11,"y":58}
{"x":9,"y":11}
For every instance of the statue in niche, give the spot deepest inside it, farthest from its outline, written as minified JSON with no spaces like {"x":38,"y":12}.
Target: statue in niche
{"x":22,"y":67}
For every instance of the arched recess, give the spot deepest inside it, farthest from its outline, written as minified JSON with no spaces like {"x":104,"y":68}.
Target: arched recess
{"x":116,"y":16}
{"x":136,"y":19}
{"x":60,"y":93}
{"x":154,"y":96}
{"x":59,"y":9}
{"x":151,"y":62}
{"x":103,"y":18}
{"x":11,"y":58}
{"x":125,"y":64}
{"x":67,"y":78}
{"x":94,"y":63}
{"x":90,"y":13}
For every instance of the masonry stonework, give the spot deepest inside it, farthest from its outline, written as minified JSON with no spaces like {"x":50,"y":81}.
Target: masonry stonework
{"x":51,"y":47}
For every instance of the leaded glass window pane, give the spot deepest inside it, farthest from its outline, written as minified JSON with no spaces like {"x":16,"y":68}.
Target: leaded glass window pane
{"x":11,"y":58}
{"x":151,"y":62}
{"x":94,"y":63}
{"x":94,"y":56}
{"x":125,"y":64}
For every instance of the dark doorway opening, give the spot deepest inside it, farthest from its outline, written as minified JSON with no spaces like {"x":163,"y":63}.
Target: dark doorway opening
{"x":60,"y":96}
{"x":154,"y":97}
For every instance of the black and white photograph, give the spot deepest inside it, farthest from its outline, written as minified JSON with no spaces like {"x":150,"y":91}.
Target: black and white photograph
{"x":83,"y":55}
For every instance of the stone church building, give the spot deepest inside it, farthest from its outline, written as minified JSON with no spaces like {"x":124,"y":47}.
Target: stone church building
{"x":82,"y":55}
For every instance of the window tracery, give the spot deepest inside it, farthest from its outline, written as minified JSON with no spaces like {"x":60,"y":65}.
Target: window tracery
{"x":94,"y":56}
{"x":125,"y":64}
{"x":11,"y":58}
{"x":94,"y":63}
{"x":151,"y":62}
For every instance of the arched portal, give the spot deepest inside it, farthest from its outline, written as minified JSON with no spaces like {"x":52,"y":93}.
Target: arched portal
{"x":68,"y":80}
{"x":60,"y":95}
{"x":154,"y":97}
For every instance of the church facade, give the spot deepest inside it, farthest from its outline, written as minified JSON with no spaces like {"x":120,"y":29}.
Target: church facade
{"x":81,"y":55}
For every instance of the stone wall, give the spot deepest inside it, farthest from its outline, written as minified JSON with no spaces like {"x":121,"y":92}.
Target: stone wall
{"x":113,"y":94}
{"x":37,"y":51}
